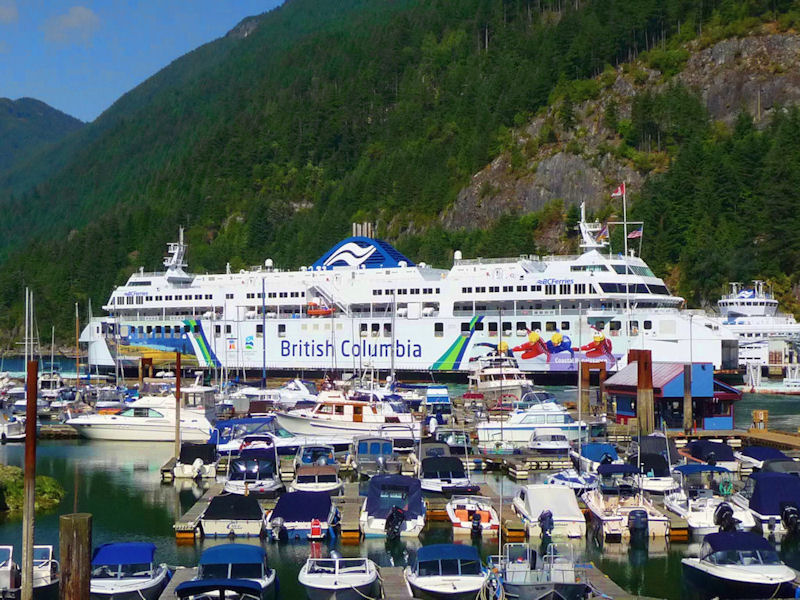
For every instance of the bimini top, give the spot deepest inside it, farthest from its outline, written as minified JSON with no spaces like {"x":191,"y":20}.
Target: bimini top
{"x":303,"y":506}
{"x":196,"y":587}
{"x":693,"y":468}
{"x":130,"y":553}
{"x":736,"y":540}
{"x":191,"y":451}
{"x":447,"y":551}
{"x":442,"y":467}
{"x":596,"y":451}
{"x":774,"y":491}
{"x":763,"y":453}
{"x":651,"y":463}
{"x":609,"y":469}
{"x":705,"y":449}
{"x":233,"y":554}
{"x":386,"y":491}
{"x":362,"y":252}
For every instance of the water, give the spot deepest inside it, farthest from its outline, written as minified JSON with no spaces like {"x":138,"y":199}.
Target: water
{"x":15,"y":365}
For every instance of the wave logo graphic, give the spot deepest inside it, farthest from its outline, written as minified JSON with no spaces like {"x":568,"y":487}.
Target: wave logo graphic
{"x":350,"y":254}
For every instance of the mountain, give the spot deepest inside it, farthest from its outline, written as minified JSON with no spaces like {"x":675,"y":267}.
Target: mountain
{"x":27,"y":126}
{"x":269,"y":141}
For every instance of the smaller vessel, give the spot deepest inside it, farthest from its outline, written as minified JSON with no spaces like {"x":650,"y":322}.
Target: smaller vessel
{"x":446,"y":572}
{"x":302,"y":516}
{"x":314,"y":454}
{"x":437,"y":404}
{"x":196,"y":461}
{"x":231,"y":571}
{"x":711,"y":453}
{"x":255,"y":471}
{"x":520,"y":425}
{"x":233,"y":515}
{"x":375,"y":456}
{"x":573,"y":479}
{"x":393,"y":507}
{"x":446,"y":475}
{"x":12,"y":429}
{"x":592,"y":455}
{"x":498,"y":375}
{"x":739,"y":564}
{"x":311,"y":478}
{"x":655,"y":475}
{"x":549,"y":441}
{"x":755,"y":456}
{"x":45,"y":574}
{"x":525,"y":575}
{"x":774,"y":501}
{"x":127,"y":571}
{"x":339,"y":578}
{"x":473,"y":515}
{"x":549,"y":510}
{"x":315,"y":309}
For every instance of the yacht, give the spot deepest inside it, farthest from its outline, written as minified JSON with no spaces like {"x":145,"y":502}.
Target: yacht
{"x":521,"y":425}
{"x":399,"y":315}
{"x":148,"y":419}
{"x":498,"y":376}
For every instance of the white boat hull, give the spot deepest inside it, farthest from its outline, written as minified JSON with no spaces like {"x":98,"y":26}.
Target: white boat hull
{"x":310,"y":426}
{"x":232,"y":527}
{"x":139,"y":433}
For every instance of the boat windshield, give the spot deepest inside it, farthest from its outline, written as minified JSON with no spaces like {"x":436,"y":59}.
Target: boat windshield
{"x":345,"y":565}
{"x":41,"y":556}
{"x":141,"y":412}
{"x":448,"y":566}
{"x":375,"y":447}
{"x":5,"y":556}
{"x":246,"y":571}
{"x":317,"y":454}
{"x":393,"y":496}
{"x":745,"y":557}
{"x":138,"y":570}
{"x":251,"y":469}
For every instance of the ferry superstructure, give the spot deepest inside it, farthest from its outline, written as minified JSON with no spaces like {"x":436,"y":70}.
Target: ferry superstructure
{"x":373,"y":307}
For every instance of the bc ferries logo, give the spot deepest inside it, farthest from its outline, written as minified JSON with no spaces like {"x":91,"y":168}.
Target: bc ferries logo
{"x":350,"y":254}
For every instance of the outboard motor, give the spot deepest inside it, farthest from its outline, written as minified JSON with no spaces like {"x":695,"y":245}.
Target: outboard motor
{"x":606,"y":459}
{"x":711,"y":459}
{"x":380,"y":464}
{"x":724,"y":519}
{"x":394,"y":523}
{"x":790,"y":517}
{"x":546,"y":523}
{"x":279,"y":531}
{"x":477,"y":529}
{"x":637,"y":523}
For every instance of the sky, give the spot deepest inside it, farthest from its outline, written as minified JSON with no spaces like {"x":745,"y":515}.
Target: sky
{"x":79,"y":56}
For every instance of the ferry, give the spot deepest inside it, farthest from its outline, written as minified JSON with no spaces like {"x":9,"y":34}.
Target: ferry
{"x":383,"y":311}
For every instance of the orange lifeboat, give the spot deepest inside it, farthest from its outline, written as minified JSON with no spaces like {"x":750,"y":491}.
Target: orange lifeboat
{"x":315,"y":310}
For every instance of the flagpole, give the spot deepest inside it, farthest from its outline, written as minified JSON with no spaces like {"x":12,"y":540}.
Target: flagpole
{"x":625,"y":235}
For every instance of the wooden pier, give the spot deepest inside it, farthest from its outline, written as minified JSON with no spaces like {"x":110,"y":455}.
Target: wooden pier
{"x":180,"y":575}
{"x":393,"y":584}
{"x":186,"y":527}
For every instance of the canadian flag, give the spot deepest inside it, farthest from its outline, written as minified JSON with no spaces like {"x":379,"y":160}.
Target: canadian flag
{"x":619,"y":192}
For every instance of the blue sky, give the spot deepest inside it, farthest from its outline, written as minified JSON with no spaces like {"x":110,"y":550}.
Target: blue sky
{"x":79,"y":56}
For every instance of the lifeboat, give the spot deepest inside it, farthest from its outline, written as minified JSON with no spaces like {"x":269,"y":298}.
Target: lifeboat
{"x":316,"y":310}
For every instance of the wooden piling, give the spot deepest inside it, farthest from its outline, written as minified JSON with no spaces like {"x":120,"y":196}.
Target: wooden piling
{"x":75,"y":550}
{"x":687,"y":398}
{"x":29,"y":505}
{"x":177,"y":404}
{"x":645,"y":411}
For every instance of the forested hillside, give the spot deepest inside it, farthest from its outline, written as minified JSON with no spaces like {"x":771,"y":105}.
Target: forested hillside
{"x":270,"y":144}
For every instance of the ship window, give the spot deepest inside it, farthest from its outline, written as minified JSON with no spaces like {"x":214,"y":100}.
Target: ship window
{"x":521,"y":327}
{"x":229,"y":296}
{"x":612,"y":288}
{"x":364,"y":329}
{"x":465,"y":329}
{"x":339,"y":408}
{"x":633,"y":328}
{"x":149,"y":329}
{"x":389,"y":292}
{"x":198,"y":296}
{"x":217,"y":330}
{"x":536,"y":288}
{"x":377,"y":292}
{"x":282,"y":330}
{"x":619,"y":269}
{"x":438,"y":290}
{"x":550,"y":289}
{"x":208,"y":296}
{"x":494,"y":289}
{"x":227,"y":328}
{"x":179,"y":297}
{"x":658,"y":289}
{"x":479,"y":326}
{"x":186,"y":329}
{"x":376,"y":329}
{"x":522,"y":288}
{"x":438,"y":330}
{"x":139,"y":299}
{"x":492,"y":329}
{"x":580,"y":288}
{"x":615,"y":326}
{"x":158,"y":329}
{"x":387,"y":330}
{"x":149,"y":298}
{"x":536,"y":326}
{"x":259,"y":330}
{"x":415,"y":290}
{"x":563,"y":289}
{"x":282,"y":295}
{"x":507,"y":328}
{"x":325,"y":409}
{"x":508,"y":288}
{"x":564,"y":325}
{"x":466,"y":290}
{"x":550,"y":326}
{"x":272,"y":295}
{"x":480,"y":290}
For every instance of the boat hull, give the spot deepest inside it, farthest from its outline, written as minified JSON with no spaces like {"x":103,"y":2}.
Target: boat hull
{"x":545,"y":591}
{"x":308,"y":426}
{"x":358,"y":592}
{"x":140,"y":590}
{"x":231,"y":527}
{"x":444,"y":588}
{"x":157,"y":433}
{"x":714,"y":586}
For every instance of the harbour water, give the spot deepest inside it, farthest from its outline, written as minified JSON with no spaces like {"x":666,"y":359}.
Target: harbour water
{"x":119,"y":483}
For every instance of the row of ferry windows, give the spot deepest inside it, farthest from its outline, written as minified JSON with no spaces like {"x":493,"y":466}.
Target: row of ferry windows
{"x":406,"y":291}
{"x":181,"y":297}
{"x":549,"y":326}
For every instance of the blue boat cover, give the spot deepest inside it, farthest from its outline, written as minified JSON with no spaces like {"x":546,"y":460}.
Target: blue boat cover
{"x":596,"y":451}
{"x":693,"y":468}
{"x":609,"y":469}
{"x":703,"y":449}
{"x":129,"y":553}
{"x":232,"y":554}
{"x":651,"y":463}
{"x":202,"y":586}
{"x":303,"y":506}
{"x":737,"y":540}
{"x":447,"y":552}
{"x":763,"y":453}
{"x":386,"y":491}
{"x":774,"y":491}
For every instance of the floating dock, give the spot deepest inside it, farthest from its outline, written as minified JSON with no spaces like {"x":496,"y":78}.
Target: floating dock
{"x":180,"y":575}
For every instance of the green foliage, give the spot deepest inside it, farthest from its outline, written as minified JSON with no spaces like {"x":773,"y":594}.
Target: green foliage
{"x":49,"y":492}
{"x":668,"y":61}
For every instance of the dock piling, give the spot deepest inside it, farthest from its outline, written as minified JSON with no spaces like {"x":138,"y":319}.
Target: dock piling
{"x":75,"y":550}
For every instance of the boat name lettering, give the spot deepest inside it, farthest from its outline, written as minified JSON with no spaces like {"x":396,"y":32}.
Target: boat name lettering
{"x":348,"y":348}
{"x":135,"y":293}
{"x":553,"y":281}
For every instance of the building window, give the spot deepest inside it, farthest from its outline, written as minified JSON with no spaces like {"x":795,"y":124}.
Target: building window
{"x":438,"y":330}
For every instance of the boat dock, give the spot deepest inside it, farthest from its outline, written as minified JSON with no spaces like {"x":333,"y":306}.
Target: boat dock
{"x":180,"y":575}
{"x":603,"y":584}
{"x":393,"y":584}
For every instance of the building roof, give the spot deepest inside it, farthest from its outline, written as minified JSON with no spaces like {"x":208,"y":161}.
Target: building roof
{"x":628,"y":376}
{"x":668,"y":381}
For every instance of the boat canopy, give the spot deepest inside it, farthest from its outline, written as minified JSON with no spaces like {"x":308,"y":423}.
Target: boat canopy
{"x":763,"y":453}
{"x":651,"y":463}
{"x":693,"y":468}
{"x":447,"y":559}
{"x":234,"y":506}
{"x":609,"y":469}
{"x":658,"y":444}
{"x":433,"y":449}
{"x":736,"y":540}
{"x":258,"y":453}
{"x":189,"y":589}
{"x":785,"y":465}
{"x":386,"y":491}
{"x":128,"y":553}
{"x":374,"y":447}
{"x":559,"y":500}
{"x":706,"y":449}
{"x":442,"y":467}
{"x":295,"y":507}
{"x":597,"y":451}
{"x":233,"y":554}
{"x":190,"y":452}
{"x":774,"y":491}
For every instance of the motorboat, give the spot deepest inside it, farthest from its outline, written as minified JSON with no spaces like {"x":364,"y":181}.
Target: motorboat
{"x":148,"y":419}
{"x":619,"y":509}
{"x":293,"y":392}
{"x":437,"y":404}
{"x":781,"y":465}
{"x":302,"y":516}
{"x":530,"y":399}
{"x":739,"y":564}
{"x":313,"y":478}
{"x":774,"y":501}
{"x":127,"y":571}
{"x":255,"y":471}
{"x":703,"y":500}
{"x":233,"y":515}
{"x":498,"y":375}
{"x":339,"y":578}
{"x":446,"y":475}
{"x":573,"y":479}
{"x":457,"y":440}
{"x":334,"y":414}
{"x":520,"y":425}
{"x":51,"y":385}
{"x":196,"y":461}
{"x":45,"y":574}
{"x":314,"y":454}
{"x":234,"y":435}
{"x":393,"y":507}
{"x":590,"y":456}
{"x":526,"y":575}
{"x":231,"y":571}
{"x":12,"y":429}
{"x":549,"y":510}
{"x":549,"y":441}
{"x":755,"y":456}
{"x":712,"y":453}
{"x":655,"y":475}
{"x":375,"y":456}
{"x":228,"y":434}
{"x":472,"y":514}
{"x":446,"y":572}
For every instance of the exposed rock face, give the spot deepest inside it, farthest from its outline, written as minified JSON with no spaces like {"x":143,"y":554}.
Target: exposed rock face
{"x":244,"y":28}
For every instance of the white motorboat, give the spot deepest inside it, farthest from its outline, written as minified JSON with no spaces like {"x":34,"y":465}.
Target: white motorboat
{"x":774,"y":501}
{"x":520,"y":426}
{"x":339,"y":578}
{"x":148,"y":419}
{"x":573,"y":479}
{"x":393,"y":507}
{"x":313,"y":478}
{"x":446,"y":475}
{"x":196,"y":461}
{"x":549,"y":510}
{"x":254,"y":471}
{"x":302,"y":516}
{"x":232,"y":515}
{"x":45,"y":574}
{"x":755,"y":456}
{"x":702,"y":499}
{"x":312,"y":453}
{"x":655,"y":475}
{"x":739,"y":565}
{"x":446,"y":572}
{"x":51,"y":385}
{"x":592,"y":455}
{"x":336,"y":415}
{"x":127,"y":571}
{"x":498,"y":376}
{"x":12,"y":429}
{"x":549,"y":441}
{"x":619,"y":510}
{"x":231,"y":571}
{"x":472,"y":515}
{"x":528,"y":576}
{"x":712,"y":453}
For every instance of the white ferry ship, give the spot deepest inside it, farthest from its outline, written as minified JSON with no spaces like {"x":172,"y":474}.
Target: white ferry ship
{"x":365,"y":304}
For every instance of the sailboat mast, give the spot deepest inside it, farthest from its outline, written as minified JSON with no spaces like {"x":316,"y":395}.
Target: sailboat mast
{"x":77,"y":349}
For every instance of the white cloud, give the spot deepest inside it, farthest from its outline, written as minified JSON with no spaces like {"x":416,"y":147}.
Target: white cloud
{"x":76,"y":26}
{"x":8,"y":11}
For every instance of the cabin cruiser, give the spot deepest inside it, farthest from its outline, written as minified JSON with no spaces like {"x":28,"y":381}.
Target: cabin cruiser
{"x":739,"y":564}
{"x":472,"y":515}
{"x":446,"y":572}
{"x":45,"y":574}
{"x":339,"y":578}
{"x":702,"y":500}
{"x":293,"y":392}
{"x":127,"y":571}
{"x":755,"y":456}
{"x":336,"y":415}
{"x":520,"y":425}
{"x":375,"y":456}
{"x":774,"y":501}
{"x":590,"y":456}
{"x":437,"y":405}
{"x":549,"y":441}
{"x":445,"y":475}
{"x":549,"y":510}
{"x":231,"y":571}
{"x":619,"y":510}
{"x":498,"y":377}
{"x":148,"y":419}
{"x":255,"y":471}
{"x":51,"y":385}
{"x":526,"y":575}
{"x":313,"y":478}
{"x":302,"y":516}
{"x":196,"y":461}
{"x":234,"y":435}
{"x":393,"y":507}
{"x":232,"y":515}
